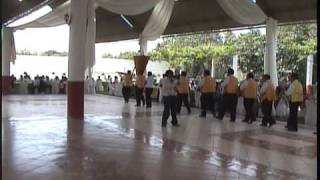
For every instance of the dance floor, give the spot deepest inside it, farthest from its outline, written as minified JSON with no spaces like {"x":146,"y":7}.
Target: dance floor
{"x":118,"y":141}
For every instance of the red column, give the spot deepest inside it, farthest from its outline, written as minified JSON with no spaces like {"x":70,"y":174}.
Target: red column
{"x":75,"y":99}
{"x":5,"y":85}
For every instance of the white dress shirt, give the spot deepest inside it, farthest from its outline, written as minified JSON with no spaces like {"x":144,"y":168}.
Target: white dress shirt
{"x":168,"y":87}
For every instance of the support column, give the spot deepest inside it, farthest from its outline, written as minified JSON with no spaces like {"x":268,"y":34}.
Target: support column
{"x":235,"y":65}
{"x":76,"y":61}
{"x":270,"y":65}
{"x":213,"y":68}
{"x":6,"y":57}
{"x":309,"y":74}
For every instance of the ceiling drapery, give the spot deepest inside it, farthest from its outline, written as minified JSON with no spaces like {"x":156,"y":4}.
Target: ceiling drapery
{"x":127,"y":7}
{"x":243,"y":11}
{"x":157,"y":23}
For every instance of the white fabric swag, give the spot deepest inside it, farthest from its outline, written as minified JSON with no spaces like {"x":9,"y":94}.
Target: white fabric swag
{"x":243,"y":11}
{"x":53,"y":18}
{"x":8,"y":46}
{"x":156,"y":24}
{"x":127,"y":7}
{"x":90,"y":39}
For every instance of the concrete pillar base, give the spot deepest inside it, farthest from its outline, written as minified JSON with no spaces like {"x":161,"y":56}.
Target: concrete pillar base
{"x":6,"y":85}
{"x":75,"y":100}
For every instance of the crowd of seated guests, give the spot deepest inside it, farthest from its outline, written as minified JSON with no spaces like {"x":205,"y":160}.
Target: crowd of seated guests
{"x":39,"y":84}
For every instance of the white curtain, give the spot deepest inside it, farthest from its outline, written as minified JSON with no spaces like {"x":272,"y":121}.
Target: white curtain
{"x":155,"y":26}
{"x":53,"y":18}
{"x":157,"y":23}
{"x":243,"y":11}
{"x":127,"y":7}
{"x":8,"y":45}
{"x":91,"y":39}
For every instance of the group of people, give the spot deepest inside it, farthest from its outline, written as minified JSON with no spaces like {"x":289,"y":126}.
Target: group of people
{"x":175,"y":92}
{"x":40,"y":84}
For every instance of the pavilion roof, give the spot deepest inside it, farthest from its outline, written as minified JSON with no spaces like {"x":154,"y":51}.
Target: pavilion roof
{"x":188,"y":16}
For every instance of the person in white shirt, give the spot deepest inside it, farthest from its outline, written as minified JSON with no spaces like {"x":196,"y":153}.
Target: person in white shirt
{"x":230,"y":96}
{"x":160,"y":89}
{"x":295,"y":94}
{"x":169,"y":93}
{"x":92,"y":85}
{"x":99,"y":86}
{"x":267,"y":96}
{"x":249,"y":89}
{"x":149,"y":89}
{"x":55,"y":85}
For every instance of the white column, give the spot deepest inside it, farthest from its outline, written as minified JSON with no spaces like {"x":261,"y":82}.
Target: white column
{"x":309,"y":70}
{"x":213,"y":68}
{"x":235,"y":65}
{"x":143,"y":46}
{"x":270,"y":65}
{"x":77,"y":43}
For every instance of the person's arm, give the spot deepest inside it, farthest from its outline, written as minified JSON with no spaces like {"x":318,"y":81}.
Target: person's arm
{"x":263,"y":88}
{"x":225,"y":82}
{"x":289,"y":91}
{"x":243,"y":85}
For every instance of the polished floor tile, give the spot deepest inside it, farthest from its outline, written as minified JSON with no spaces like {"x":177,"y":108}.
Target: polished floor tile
{"x":121,"y":141}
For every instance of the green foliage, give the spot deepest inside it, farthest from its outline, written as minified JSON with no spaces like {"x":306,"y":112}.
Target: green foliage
{"x":54,"y":53}
{"x":194,"y":52}
{"x":127,"y":55}
{"x":107,"y":55}
{"x":26,"y":52}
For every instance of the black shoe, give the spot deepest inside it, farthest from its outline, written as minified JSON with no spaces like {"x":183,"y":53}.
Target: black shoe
{"x":245,"y":120}
{"x":176,"y":125}
{"x":202,"y":116}
{"x":137,"y":105}
{"x":163,"y":125}
{"x":264,"y":125}
{"x":293,"y":130}
{"x":189,"y":112}
{"x":220,"y":118}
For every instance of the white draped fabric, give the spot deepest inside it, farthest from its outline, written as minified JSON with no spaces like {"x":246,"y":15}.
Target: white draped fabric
{"x":91,"y":39}
{"x":154,"y":28}
{"x":243,"y":11}
{"x":127,"y":7}
{"x":8,"y":48}
{"x":53,"y":18}
{"x":157,"y":23}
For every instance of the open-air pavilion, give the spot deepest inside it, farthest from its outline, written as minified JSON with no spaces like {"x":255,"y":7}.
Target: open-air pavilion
{"x":98,"y":137}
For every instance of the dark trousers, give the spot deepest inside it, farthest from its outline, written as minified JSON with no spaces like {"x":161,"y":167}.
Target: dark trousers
{"x":139,"y":96}
{"x":250,"y":110}
{"x":183,"y":98}
{"x":266,"y":107}
{"x":229,"y":102}
{"x":126,"y":90}
{"x":207,"y":103}
{"x":170,"y":103}
{"x":148,"y":96}
{"x":292,"y":122}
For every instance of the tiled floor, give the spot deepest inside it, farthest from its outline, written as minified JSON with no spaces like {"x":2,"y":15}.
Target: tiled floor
{"x":120,"y":141}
